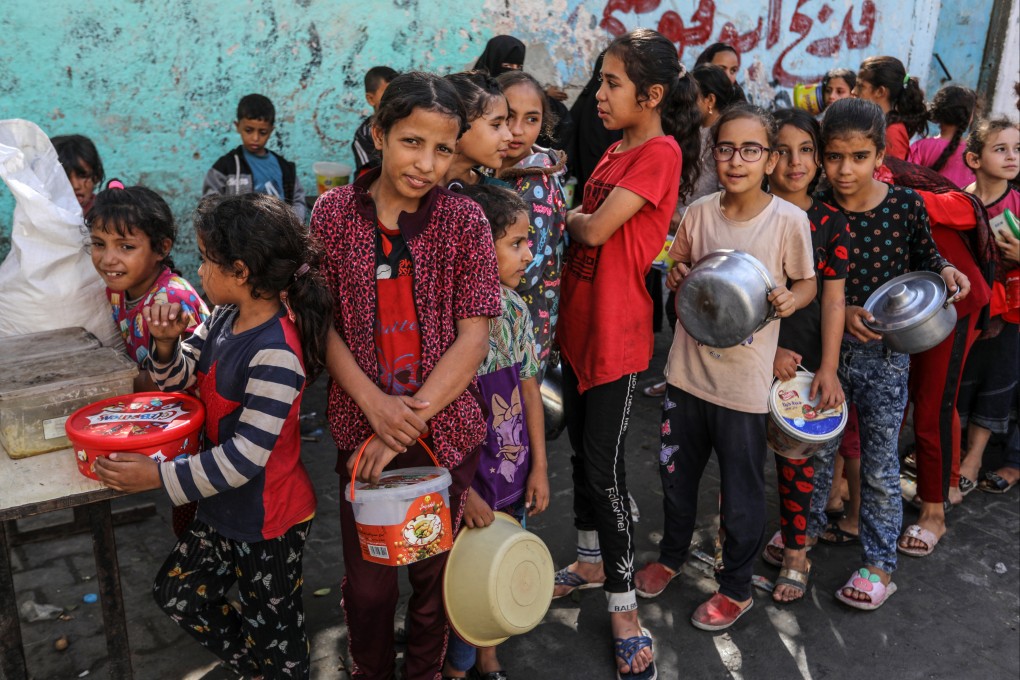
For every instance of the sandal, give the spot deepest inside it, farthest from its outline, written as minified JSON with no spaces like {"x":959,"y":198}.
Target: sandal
{"x":654,"y":577}
{"x":718,"y":613}
{"x":839,"y":536}
{"x":864,"y":581}
{"x":919,"y":533}
{"x":792,"y":578}
{"x":836,"y":513}
{"x":656,"y":391}
{"x":966,"y":485}
{"x":573,"y":580}
{"x":776,"y":544}
{"x":994,"y":483}
{"x":627,"y":648}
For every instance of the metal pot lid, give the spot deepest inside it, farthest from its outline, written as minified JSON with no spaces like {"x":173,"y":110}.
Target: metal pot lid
{"x":906,"y":301}
{"x":724,"y":298}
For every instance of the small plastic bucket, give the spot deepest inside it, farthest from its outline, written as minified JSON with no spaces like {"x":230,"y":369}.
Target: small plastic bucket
{"x":161,"y":425}
{"x":405,"y":518}
{"x":796,"y":429}
{"x":808,"y":97}
{"x":329,"y":175}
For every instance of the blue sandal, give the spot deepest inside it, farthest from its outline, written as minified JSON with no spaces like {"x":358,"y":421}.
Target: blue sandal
{"x":627,"y":649}
{"x":573,"y":580}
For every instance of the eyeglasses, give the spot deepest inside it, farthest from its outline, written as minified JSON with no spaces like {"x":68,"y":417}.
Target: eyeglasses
{"x":750,"y":153}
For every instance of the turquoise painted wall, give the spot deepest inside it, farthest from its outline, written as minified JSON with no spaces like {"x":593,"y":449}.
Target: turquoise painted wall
{"x":960,"y":43}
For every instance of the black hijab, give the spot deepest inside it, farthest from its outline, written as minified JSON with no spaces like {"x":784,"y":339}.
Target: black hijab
{"x":502,"y":49}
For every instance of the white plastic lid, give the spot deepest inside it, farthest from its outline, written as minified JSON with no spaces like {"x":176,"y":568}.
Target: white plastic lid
{"x":402,"y":484}
{"x":794,"y":412}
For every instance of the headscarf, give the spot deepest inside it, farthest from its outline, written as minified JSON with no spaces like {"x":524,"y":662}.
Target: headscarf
{"x":501,"y":49}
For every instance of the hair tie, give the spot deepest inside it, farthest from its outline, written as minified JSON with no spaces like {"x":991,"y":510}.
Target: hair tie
{"x":906,"y":79}
{"x":115,"y":184}
{"x":301,"y":271}
{"x":683,"y":69}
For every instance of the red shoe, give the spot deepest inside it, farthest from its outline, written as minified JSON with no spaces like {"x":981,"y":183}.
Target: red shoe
{"x":718,"y":613}
{"x":653,"y":579}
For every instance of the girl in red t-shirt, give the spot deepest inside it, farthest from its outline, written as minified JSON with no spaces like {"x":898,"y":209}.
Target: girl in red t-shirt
{"x":884,"y":80}
{"x":605,"y":331}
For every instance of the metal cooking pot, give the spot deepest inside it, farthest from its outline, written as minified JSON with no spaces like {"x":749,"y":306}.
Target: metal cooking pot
{"x":552,"y":401}
{"x":913,"y":312}
{"x":724,"y":299}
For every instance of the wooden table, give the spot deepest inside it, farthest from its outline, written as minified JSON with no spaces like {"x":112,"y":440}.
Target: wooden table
{"x":44,"y":483}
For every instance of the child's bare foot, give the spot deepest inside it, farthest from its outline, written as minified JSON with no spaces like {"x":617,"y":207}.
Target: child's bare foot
{"x":933,"y":519}
{"x":578,"y":576}
{"x":625,"y":625}
{"x":486,"y":662}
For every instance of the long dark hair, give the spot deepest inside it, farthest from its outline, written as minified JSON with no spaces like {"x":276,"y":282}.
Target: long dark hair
{"x":853,"y":116}
{"x":709,"y":53}
{"x":650,"y":59}
{"x":477,"y":90}
{"x":122,"y":210}
{"x":510,"y":79}
{"x":906,"y":99}
{"x":952,"y":105}
{"x":713,"y":80}
{"x":281,"y":257}
{"x":78,"y":155}
{"x":805,"y":122}
{"x":417,"y":90}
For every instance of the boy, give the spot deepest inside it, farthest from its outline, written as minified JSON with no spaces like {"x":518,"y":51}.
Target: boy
{"x":252,"y":167}
{"x":366,"y":156}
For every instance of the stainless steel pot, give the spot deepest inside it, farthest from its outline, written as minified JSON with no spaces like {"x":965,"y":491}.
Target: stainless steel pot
{"x":724,"y":299}
{"x":552,"y":401}
{"x":913,"y":312}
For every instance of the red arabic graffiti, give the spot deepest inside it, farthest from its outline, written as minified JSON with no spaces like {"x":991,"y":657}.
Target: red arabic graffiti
{"x":698,"y":31}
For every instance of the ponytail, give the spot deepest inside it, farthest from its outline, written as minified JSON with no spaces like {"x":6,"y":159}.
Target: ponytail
{"x":906,"y":99}
{"x":312,"y":306}
{"x":952,"y":105}
{"x":681,"y":118}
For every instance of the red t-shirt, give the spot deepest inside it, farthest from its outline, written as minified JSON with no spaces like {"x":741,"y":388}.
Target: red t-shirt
{"x":397,"y":336}
{"x":897,"y":141}
{"x":605,"y":326}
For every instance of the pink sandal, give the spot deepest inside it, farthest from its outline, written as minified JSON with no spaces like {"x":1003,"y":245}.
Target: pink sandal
{"x":863,"y":580}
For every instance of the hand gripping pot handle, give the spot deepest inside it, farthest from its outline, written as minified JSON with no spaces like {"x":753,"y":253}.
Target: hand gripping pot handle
{"x":361,"y":451}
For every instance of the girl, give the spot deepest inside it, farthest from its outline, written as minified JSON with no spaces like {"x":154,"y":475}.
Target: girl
{"x":952,"y":108}
{"x":884,"y":81}
{"x":512,"y":473}
{"x":716,"y":398}
{"x":993,"y":153}
{"x":724,"y":56}
{"x":891,"y":223}
{"x":605,"y":325}
{"x":250,"y":362}
{"x":84,"y":169}
{"x":483,"y":146}
{"x":413,"y":272}
{"x":809,"y":338}
{"x":534,"y":172}
{"x":837,"y":84}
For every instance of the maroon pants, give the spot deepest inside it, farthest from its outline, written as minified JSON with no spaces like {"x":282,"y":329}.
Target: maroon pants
{"x":934,"y":384}
{"x":370,"y":590}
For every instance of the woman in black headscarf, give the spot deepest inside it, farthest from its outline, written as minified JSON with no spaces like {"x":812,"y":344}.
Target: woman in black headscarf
{"x":501,"y":54}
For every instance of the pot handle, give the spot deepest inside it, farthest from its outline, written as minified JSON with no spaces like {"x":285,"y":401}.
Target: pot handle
{"x":361,"y":451}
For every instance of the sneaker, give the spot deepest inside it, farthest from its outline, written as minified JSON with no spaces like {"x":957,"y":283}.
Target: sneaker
{"x":653,"y":579}
{"x":718,"y":613}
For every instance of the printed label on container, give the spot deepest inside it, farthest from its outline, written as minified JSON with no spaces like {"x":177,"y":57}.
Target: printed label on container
{"x":117,"y":414}
{"x":426,"y":532}
{"x":799,"y":412}
{"x":54,"y":427}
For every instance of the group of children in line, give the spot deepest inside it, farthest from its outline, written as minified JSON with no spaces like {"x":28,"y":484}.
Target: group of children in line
{"x":436,"y":289}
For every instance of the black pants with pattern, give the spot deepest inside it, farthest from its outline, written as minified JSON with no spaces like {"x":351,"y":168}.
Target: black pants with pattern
{"x":267,"y":636}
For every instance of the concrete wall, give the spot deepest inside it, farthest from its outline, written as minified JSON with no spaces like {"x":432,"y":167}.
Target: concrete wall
{"x":155,"y":84}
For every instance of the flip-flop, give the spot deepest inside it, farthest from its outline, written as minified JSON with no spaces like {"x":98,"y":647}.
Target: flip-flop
{"x":842,"y":538}
{"x":966,"y":485}
{"x":917,"y":532}
{"x":870,"y":584}
{"x":627,"y":648}
{"x":993,"y":483}
{"x":775,"y":542}
{"x":794,"y":579}
{"x":573,"y":580}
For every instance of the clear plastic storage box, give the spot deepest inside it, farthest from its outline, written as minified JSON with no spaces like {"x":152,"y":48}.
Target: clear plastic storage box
{"x":18,"y":348}
{"x":38,"y":394}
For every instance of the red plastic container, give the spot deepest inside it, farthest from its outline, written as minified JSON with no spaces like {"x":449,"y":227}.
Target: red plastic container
{"x":161,"y":425}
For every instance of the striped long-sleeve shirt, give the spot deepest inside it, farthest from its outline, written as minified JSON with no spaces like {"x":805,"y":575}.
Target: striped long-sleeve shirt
{"x":249,"y":476}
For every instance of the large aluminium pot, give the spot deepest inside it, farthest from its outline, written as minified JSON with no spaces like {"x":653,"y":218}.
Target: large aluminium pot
{"x":913,"y":312}
{"x":723,"y":300}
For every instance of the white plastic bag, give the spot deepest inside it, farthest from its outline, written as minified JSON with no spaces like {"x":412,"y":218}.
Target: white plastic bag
{"x":47,"y":280}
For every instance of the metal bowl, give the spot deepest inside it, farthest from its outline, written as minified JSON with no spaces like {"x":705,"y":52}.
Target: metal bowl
{"x":913,"y":312}
{"x":724,"y":299}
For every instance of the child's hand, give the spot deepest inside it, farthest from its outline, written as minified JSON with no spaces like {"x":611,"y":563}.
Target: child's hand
{"x":957,"y":283}
{"x":676,"y":275}
{"x":166,"y":322}
{"x":826,"y":384}
{"x":855,"y":318}
{"x":783,"y":301}
{"x":784,"y":366}
{"x":536,"y":494}
{"x":375,"y":459}
{"x":129,"y":472}
{"x":394,"y":421}
{"x":477,"y":513}
{"x":1009,"y":245}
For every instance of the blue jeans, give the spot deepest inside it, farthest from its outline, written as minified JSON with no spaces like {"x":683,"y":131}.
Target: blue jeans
{"x":875,"y":379}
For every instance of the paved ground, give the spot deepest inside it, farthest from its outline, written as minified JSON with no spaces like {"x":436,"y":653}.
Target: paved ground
{"x":955,"y":616}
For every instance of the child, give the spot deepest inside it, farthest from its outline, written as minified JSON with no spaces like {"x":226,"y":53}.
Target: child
{"x":131,"y":232}
{"x":78,"y":156}
{"x":534,"y":172}
{"x":483,"y":146}
{"x":993,"y":153}
{"x":605,"y":331}
{"x":884,"y":81}
{"x":366,"y":156}
{"x":952,"y":108}
{"x":810,"y":338}
{"x":837,"y":84}
{"x":413,"y":271}
{"x":511,"y":475}
{"x":252,"y":167}
{"x":716,"y":399}
{"x":256,"y":501}
{"x":724,"y":56}
{"x":890,"y":222}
